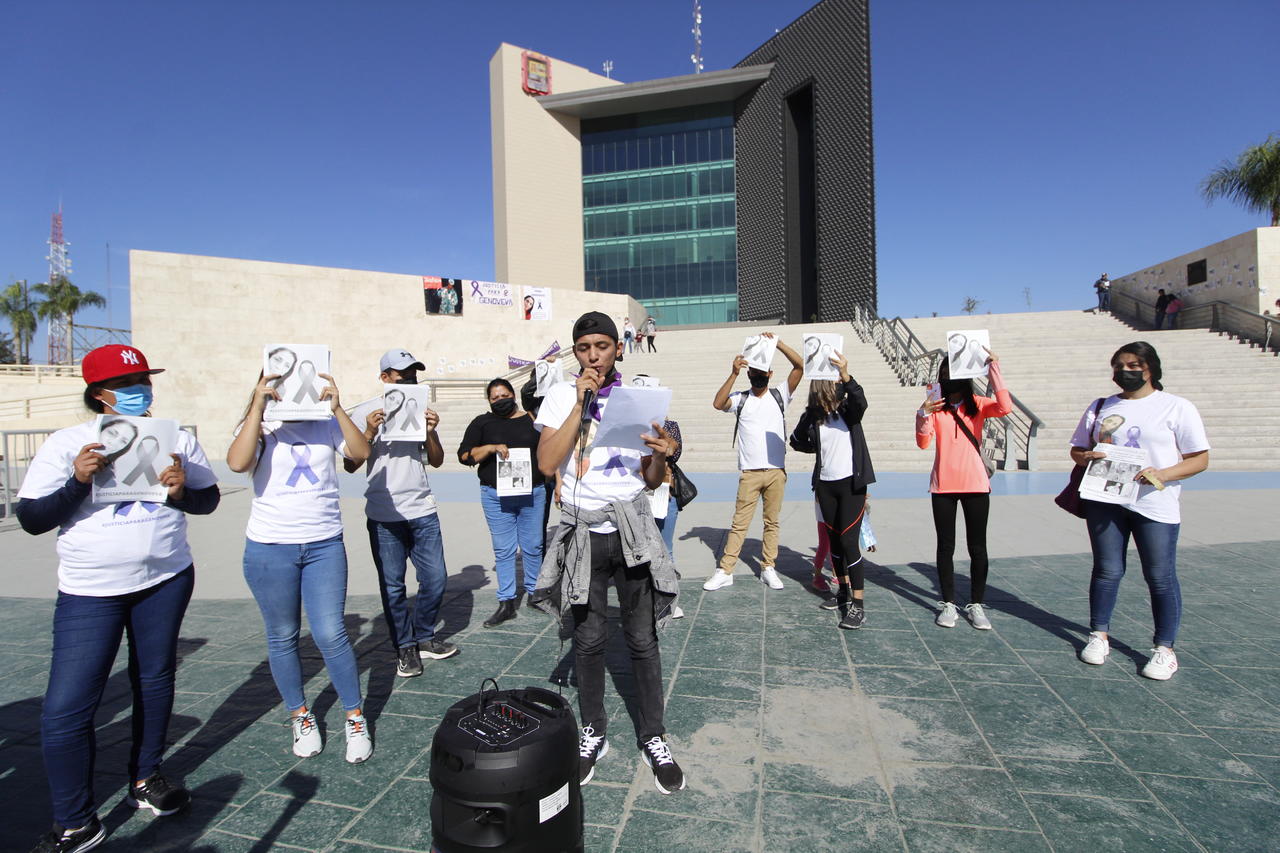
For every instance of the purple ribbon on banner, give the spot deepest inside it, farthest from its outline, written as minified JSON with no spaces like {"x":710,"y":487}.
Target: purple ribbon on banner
{"x":551,"y":350}
{"x":475,"y":290}
{"x":513,"y":362}
{"x":301,"y":465}
{"x":126,"y":507}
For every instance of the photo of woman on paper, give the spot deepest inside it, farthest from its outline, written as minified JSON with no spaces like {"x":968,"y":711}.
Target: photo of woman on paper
{"x":812,"y":349}
{"x":116,"y":437}
{"x":392,"y":403}
{"x":529,"y":303}
{"x":280,"y":363}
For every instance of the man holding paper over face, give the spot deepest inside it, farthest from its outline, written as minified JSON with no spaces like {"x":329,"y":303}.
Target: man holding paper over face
{"x":401,"y":511}
{"x":607,"y":535}
{"x":760,"y":431}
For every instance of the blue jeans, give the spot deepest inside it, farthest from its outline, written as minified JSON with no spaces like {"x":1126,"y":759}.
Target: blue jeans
{"x":283,"y":579}
{"x":393,"y":544}
{"x":1109,"y":529}
{"x":668,"y":526}
{"x":86,"y":636}
{"x":515,"y":522}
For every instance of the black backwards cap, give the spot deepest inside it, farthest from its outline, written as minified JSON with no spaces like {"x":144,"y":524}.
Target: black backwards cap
{"x":595,"y":323}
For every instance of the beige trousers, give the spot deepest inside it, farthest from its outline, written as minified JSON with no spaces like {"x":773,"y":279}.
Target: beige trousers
{"x":767,"y":484}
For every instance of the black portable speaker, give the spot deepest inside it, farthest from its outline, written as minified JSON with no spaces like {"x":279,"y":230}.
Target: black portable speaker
{"x":504,"y":774}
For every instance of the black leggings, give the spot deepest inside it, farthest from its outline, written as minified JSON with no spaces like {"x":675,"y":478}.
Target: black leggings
{"x":650,"y":338}
{"x":842,"y":507}
{"x":976,"y":507}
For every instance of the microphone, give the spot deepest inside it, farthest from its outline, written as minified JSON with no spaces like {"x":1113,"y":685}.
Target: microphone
{"x":588,"y":397}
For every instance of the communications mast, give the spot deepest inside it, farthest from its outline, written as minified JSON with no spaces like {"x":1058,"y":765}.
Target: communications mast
{"x":59,"y":337}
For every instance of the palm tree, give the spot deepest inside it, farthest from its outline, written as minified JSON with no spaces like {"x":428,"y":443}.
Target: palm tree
{"x":63,"y":299}
{"x":1253,"y":180}
{"x":16,"y":307}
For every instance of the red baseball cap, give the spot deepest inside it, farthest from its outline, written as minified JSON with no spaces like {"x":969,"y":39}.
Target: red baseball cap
{"x":114,"y":360}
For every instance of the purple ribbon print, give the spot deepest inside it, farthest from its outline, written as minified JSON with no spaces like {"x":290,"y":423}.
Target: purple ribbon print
{"x":475,"y":290}
{"x":603,"y":394}
{"x":126,"y":507}
{"x":301,"y":465}
{"x":615,"y":465}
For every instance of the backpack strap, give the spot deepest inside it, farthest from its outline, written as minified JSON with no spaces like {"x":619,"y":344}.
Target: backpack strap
{"x":742,"y":401}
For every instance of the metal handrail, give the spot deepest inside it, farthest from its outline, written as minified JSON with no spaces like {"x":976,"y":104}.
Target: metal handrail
{"x":50,"y":404}
{"x":1011,"y":439}
{"x":39,"y":370}
{"x":1262,"y":330}
{"x":462,"y":386}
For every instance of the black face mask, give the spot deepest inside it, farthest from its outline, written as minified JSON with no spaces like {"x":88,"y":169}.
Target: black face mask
{"x":955,"y":386}
{"x":758,"y":380}
{"x":503,"y":408}
{"x":1129,"y":380}
{"x":407,"y":380}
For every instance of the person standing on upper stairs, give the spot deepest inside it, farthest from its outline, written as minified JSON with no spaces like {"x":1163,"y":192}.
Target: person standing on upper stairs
{"x":761,"y":434}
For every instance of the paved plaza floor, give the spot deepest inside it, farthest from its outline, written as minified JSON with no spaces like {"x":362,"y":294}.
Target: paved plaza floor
{"x":794,"y":735}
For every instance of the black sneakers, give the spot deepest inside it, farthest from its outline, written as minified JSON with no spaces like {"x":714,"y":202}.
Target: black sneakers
{"x":408,"y":663}
{"x":506,"y":610}
{"x":667,"y":775}
{"x":854,"y":616}
{"x":437,"y":649}
{"x":157,"y":794}
{"x":591,"y":748}
{"x":839,"y":601}
{"x":59,"y":840}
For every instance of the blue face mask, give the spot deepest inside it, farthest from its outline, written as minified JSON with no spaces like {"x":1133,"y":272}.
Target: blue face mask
{"x":133,"y":400}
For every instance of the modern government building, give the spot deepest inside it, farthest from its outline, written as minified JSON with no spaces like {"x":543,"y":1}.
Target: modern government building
{"x":739,"y":194}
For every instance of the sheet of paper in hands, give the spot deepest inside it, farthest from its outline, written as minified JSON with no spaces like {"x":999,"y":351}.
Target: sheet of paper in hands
{"x":137,"y":450}
{"x":547,"y":373}
{"x":299,"y":367}
{"x":758,"y":351}
{"x":359,"y":413}
{"x":515,"y":473}
{"x":645,"y":382}
{"x":629,"y":413}
{"x":818,"y":347}
{"x":1111,"y":480}
{"x":967,"y":353}
{"x":405,"y":409}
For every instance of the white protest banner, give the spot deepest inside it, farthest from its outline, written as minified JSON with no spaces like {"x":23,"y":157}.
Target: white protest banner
{"x":758,"y":351}
{"x":137,"y":450}
{"x":967,"y":353}
{"x":404,"y":408}
{"x":299,"y":368}
{"x":818,"y":347}
{"x":515,"y":473}
{"x":490,"y":293}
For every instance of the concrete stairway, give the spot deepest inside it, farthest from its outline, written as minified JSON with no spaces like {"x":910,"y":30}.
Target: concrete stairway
{"x":1057,"y":363}
{"x":695,"y":362}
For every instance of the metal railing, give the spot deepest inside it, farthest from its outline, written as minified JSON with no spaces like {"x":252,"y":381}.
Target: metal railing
{"x":41,"y":371}
{"x":34,"y":407}
{"x":1010,"y":440}
{"x":19,"y":447}
{"x":1261,"y":330}
{"x":458,"y":389}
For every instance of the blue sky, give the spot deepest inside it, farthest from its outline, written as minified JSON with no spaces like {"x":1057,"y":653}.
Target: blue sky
{"x":1018,"y":144}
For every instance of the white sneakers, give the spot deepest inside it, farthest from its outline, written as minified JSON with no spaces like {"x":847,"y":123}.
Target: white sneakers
{"x":717,"y":580}
{"x":1096,"y":650}
{"x":359,"y":744}
{"x":947,"y":618}
{"x":306,"y":735}
{"x":769,"y":575}
{"x":307,"y":742}
{"x":977,"y":617}
{"x":1162,"y":666}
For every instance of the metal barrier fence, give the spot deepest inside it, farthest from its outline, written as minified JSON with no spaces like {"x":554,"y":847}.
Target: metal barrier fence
{"x":40,"y":371}
{"x":19,"y":447}
{"x":1010,"y":440}
{"x":34,"y":407}
{"x":1261,"y":330}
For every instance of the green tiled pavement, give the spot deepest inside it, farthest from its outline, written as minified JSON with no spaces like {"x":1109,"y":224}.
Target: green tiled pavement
{"x":795,"y":736}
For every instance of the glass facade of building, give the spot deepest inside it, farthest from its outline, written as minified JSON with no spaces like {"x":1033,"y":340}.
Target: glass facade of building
{"x":658,"y":212}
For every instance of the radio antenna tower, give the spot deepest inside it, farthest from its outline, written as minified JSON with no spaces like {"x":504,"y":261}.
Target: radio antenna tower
{"x":696,"y":56}
{"x":59,"y":336}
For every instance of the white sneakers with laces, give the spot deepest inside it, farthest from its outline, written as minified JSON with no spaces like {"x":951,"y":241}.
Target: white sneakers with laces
{"x":977,"y":617}
{"x":717,"y":580}
{"x":306,"y":735}
{"x":1096,"y":650}
{"x":359,"y":743}
{"x":1162,"y":666}
{"x":769,"y":575}
{"x":947,"y":617}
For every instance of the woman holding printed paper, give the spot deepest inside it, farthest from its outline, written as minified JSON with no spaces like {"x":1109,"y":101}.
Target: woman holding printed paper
{"x":124,"y":567}
{"x":1168,"y":429}
{"x":515,"y":520}
{"x":955,"y":416}
{"x":294,"y":554}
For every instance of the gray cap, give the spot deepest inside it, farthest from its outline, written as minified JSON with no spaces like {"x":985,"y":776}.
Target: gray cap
{"x":398,"y":359}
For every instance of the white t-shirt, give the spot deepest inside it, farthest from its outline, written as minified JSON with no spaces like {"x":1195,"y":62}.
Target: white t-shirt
{"x":837,"y":449}
{"x":114,"y":548}
{"x":608,"y":473}
{"x":398,"y":488}
{"x":1165,"y":426}
{"x":295,"y":483}
{"x":762,"y":432}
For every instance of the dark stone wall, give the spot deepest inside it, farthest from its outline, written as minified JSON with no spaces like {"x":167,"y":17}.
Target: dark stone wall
{"x":828,"y":48}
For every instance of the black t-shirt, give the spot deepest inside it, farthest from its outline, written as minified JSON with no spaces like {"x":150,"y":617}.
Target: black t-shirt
{"x":491,"y":429}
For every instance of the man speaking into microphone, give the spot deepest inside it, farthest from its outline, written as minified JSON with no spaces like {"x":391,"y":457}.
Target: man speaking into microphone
{"x":607,"y":535}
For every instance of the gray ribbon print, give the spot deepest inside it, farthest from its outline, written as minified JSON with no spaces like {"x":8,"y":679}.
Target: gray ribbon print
{"x":393,"y":398}
{"x":148,"y":450}
{"x":307,"y":375}
{"x":410,"y":421}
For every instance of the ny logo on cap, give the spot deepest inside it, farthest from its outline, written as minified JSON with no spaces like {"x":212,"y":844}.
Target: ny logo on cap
{"x":129,"y":356}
